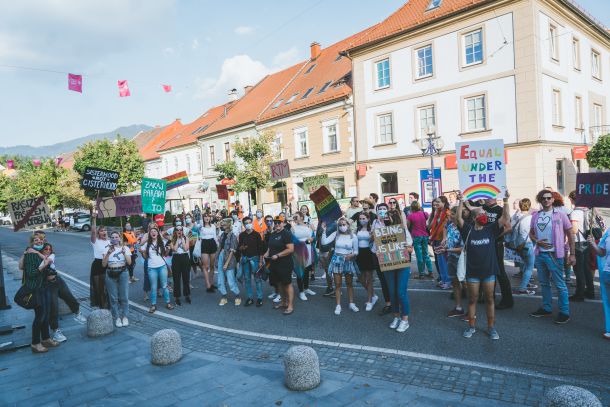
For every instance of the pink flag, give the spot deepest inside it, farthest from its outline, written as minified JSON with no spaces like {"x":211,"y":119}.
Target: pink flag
{"x":58,"y":161}
{"x":36,"y":163}
{"x":75,"y":82}
{"x":167,"y":88}
{"x":124,"y":89}
{"x":10,"y":164}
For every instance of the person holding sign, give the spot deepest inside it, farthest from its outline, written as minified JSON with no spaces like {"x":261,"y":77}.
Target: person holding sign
{"x":181,"y":264}
{"x":343,"y":262}
{"x":481,"y":261}
{"x":115,"y":261}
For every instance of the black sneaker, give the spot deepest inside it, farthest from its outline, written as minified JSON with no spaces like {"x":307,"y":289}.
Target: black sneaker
{"x":259,"y":303}
{"x":249,"y":302}
{"x":562,"y":318}
{"x":188,"y":299}
{"x":385,"y":310}
{"x":540,"y":312}
{"x":178,"y":302}
{"x":503,"y":305}
{"x":576,"y":298}
{"x":328,"y":292}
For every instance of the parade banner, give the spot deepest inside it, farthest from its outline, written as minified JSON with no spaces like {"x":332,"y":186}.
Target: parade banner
{"x":327,"y":207}
{"x":279,"y":170}
{"x":593,"y":190}
{"x":311,"y":184}
{"x":29,"y":213}
{"x":222,"y":191}
{"x":311,"y":206}
{"x":153,"y":195}
{"x":112,"y":207}
{"x":99,"y":179}
{"x":481,"y":169}
{"x":176,"y":180}
{"x":392,"y":251}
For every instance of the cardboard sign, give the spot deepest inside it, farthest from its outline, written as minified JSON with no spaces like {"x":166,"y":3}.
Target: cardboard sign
{"x":29,"y":213}
{"x":279,"y":170}
{"x":273,"y":208}
{"x":100,"y":180}
{"x":327,"y":207}
{"x":222,"y":191}
{"x":119,"y":206}
{"x":593,"y":190}
{"x":153,"y":195}
{"x":391,"y":245}
{"x":311,"y":184}
{"x":481,"y":169}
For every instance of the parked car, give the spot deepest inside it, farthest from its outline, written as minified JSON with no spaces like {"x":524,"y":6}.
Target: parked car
{"x":6,"y":220}
{"x":81,"y":222}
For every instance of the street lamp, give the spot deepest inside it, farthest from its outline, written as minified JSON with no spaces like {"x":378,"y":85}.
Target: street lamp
{"x":431,"y":145}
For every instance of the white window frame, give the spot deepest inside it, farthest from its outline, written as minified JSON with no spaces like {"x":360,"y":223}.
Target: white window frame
{"x":376,"y":74}
{"x":556,"y":108}
{"x":227,"y":151}
{"x":485,"y":115}
{"x":598,"y":115}
{"x":465,"y":47}
{"x":277,"y":145}
{"x":553,"y":42}
{"x":175,"y":164}
{"x":420,"y":119}
{"x":326,"y":136}
{"x":188,"y":163}
{"x":379,"y":126}
{"x":298,"y":139}
{"x":596,"y":56}
{"x":419,"y":60}
{"x":166,"y":162}
{"x":199,"y":163}
{"x":576,"y":53}
{"x":578,"y":122}
{"x":212,"y":155}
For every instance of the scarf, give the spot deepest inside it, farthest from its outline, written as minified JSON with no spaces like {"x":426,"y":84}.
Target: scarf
{"x":438,"y":224}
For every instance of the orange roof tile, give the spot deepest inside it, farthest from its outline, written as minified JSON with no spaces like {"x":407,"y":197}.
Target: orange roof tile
{"x":145,"y":137}
{"x":149,"y":151}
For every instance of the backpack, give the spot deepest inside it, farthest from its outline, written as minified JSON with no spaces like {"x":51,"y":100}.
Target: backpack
{"x":514,"y":239}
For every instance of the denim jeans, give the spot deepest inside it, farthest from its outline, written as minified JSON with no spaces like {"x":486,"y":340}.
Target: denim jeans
{"x":146,"y":284}
{"x":229,"y":274}
{"x":249,"y":265}
{"x":118,"y":294}
{"x":442,"y":264}
{"x":420,"y":245}
{"x":548,"y":267}
{"x":59,"y":289}
{"x":160,"y":274}
{"x":604,"y":290}
{"x":527,"y":266}
{"x":398,"y":283}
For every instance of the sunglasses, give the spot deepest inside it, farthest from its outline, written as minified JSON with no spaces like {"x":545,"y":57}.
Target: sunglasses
{"x":179,"y":228}
{"x":277,"y":222}
{"x":547,"y":198}
{"x":392,"y":202}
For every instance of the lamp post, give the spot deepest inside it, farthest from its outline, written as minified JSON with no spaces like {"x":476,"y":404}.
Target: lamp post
{"x":431,"y":145}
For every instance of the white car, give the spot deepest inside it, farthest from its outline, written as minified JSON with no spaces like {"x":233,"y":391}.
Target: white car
{"x":6,"y":220}
{"x":81,"y":222}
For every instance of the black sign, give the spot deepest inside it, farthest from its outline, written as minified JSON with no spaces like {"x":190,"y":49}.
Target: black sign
{"x":98,"y":179}
{"x":593,"y":190}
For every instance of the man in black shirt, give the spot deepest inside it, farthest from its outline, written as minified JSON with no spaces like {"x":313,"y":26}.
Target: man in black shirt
{"x":252,"y":248}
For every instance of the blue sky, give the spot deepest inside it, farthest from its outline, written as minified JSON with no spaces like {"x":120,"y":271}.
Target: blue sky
{"x":201,"y":48}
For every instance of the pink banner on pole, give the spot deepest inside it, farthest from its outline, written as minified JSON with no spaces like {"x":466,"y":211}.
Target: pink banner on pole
{"x":10,"y":164}
{"x":124,"y":89}
{"x":36,"y":163}
{"x":167,"y":88}
{"x":75,"y":82}
{"x":58,"y":160}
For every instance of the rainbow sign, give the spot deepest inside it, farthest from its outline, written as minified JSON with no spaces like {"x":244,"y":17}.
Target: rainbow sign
{"x":481,"y":169}
{"x":176,"y":180}
{"x":326,"y":205}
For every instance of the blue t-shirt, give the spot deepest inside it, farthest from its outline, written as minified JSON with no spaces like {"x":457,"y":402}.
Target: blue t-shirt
{"x":454,"y":239}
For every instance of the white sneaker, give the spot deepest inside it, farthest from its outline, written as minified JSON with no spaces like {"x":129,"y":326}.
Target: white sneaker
{"x":403,"y":326}
{"x":118,"y":323}
{"x":58,"y":336}
{"x":272,"y":296}
{"x":353,"y":307}
{"x":374,"y":300}
{"x":302,"y":296}
{"x":309,"y":292}
{"x":338,"y":310}
{"x":395,"y":323}
{"x":368,"y":306}
{"x":125,"y":321}
{"x":277,"y":299}
{"x":80,"y":318}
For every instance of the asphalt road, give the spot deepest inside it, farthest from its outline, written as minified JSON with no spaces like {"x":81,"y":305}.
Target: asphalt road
{"x":573,"y":350}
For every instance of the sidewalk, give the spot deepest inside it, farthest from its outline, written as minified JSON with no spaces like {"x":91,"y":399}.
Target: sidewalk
{"x":224,"y":369}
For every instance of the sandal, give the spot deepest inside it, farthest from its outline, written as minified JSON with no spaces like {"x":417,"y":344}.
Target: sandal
{"x":288,"y":311}
{"x":152,"y":309}
{"x":169,"y":306}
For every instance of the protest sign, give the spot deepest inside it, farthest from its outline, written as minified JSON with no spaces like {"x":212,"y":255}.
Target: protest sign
{"x":326,"y":205}
{"x":153,"y":195}
{"x":279,"y":170}
{"x":29,"y":212}
{"x":99,"y":179}
{"x":593,"y":190}
{"x":176,"y":180}
{"x":273,"y":208}
{"x":481,"y":169}
{"x":311,"y":184}
{"x":119,"y":206}
{"x":222,"y":191}
{"x":391,"y":245}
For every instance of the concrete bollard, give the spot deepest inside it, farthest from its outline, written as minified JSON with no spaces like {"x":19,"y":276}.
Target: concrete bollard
{"x":99,"y":323}
{"x":301,"y":368}
{"x":165,"y":347}
{"x":570,"y":396}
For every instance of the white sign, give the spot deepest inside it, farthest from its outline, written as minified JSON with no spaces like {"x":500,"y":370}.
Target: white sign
{"x":481,"y":168}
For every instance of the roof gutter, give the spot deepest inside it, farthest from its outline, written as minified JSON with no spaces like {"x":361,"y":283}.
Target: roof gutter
{"x":582,"y":13}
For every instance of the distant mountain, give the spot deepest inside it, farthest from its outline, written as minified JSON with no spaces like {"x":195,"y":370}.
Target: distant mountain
{"x":54,"y":150}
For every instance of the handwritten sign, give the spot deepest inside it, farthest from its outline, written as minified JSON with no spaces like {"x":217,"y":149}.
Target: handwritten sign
{"x":119,"y":206}
{"x":327,"y":207}
{"x":311,"y":184}
{"x":593,"y":190}
{"x":29,"y":213}
{"x":99,"y":179}
{"x":481,"y":169}
{"x":279,"y":170}
{"x":392,"y":251}
{"x":153,"y":195}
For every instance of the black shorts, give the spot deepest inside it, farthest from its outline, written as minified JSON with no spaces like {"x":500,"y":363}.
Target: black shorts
{"x":209,"y":246}
{"x":281,"y":275}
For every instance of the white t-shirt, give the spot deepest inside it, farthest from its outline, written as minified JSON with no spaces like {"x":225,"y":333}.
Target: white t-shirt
{"x":155,"y":260}
{"x":544,"y":229}
{"x":117,"y":257}
{"x":207,"y":232}
{"x":364,"y":238}
{"x":578,"y":215}
{"x":344,"y":243}
{"x":52,"y":263}
{"x":100,"y":247}
{"x":182,"y":248}
{"x":301,"y":232}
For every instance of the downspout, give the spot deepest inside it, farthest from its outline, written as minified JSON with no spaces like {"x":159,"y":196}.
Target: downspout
{"x":354,"y":137}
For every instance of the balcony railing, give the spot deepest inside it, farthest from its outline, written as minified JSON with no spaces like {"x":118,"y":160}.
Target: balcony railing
{"x":595,"y":132}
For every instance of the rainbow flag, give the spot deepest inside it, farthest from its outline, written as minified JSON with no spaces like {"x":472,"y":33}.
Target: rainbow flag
{"x":176,"y":180}
{"x":326,"y":205}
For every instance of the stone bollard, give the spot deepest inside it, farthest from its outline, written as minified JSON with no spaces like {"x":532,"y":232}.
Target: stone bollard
{"x":165,"y":347}
{"x":99,"y":323}
{"x":570,"y":396}
{"x":301,"y":368}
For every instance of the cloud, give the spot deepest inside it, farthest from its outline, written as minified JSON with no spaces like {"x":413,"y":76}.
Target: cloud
{"x":244,"y":30}
{"x":195,"y":44}
{"x":169,"y":51}
{"x":286,"y":58}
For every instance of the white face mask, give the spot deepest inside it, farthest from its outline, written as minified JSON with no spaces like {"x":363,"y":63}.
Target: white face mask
{"x":364,"y":222}
{"x":343,"y":228}
{"x":178,"y":223}
{"x":188,"y":221}
{"x":249,"y":226}
{"x":234,"y":217}
{"x":259,"y":215}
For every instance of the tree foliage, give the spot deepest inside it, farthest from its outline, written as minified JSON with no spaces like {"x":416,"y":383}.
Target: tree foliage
{"x":599,"y":155}
{"x":120,"y":155}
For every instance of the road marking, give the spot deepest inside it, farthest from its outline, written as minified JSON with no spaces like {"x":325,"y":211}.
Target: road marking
{"x":387,"y":351}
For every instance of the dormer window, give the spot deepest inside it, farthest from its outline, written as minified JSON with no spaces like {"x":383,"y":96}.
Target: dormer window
{"x":279,"y":102}
{"x":292,"y":98}
{"x":434,"y":4}
{"x":323,"y":88}
{"x":310,"y":69}
{"x":306,"y":94}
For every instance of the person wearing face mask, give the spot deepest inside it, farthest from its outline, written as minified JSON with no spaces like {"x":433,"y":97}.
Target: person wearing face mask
{"x":97,"y":280}
{"x":130,"y":241}
{"x":343,"y":262}
{"x":197,"y":214}
{"x":115,"y":261}
{"x":209,"y":247}
{"x":382,"y":212}
{"x":258,"y":223}
{"x":481,"y":261}
{"x":180,"y":265}
{"x":279,"y":251}
{"x":365,"y":258}
{"x":252,"y":248}
{"x":303,"y":254}
{"x":227,"y":263}
{"x":237,"y":224}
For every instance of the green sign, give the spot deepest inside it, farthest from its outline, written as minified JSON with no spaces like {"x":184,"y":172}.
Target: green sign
{"x":153,"y":195}
{"x":311,"y":184}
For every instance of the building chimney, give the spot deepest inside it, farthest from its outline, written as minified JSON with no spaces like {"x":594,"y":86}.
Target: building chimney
{"x":247,"y":89}
{"x":315,"y":50}
{"x":233,"y":95}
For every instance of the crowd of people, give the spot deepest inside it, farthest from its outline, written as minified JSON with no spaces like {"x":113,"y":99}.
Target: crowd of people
{"x":467,"y":241}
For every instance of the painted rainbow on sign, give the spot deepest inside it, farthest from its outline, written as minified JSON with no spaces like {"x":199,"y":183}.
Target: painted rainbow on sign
{"x":481,"y":191}
{"x":176,"y":180}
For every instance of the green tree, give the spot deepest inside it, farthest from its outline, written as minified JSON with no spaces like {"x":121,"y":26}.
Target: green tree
{"x":7,"y":191}
{"x":599,"y":156}
{"x":72,"y":196}
{"x":33,"y":181}
{"x":120,"y":155}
